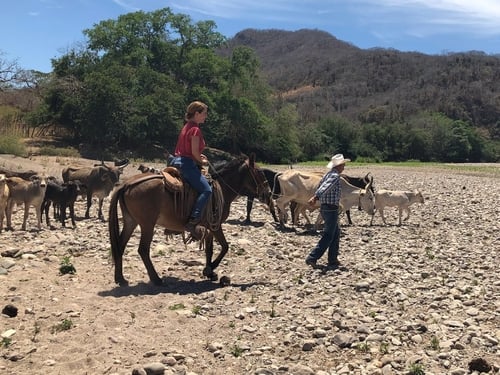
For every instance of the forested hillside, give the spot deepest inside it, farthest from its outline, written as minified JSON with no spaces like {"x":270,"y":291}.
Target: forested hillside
{"x":323,"y":75}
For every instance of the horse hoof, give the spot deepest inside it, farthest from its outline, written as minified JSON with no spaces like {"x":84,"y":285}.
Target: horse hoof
{"x":122,"y":282}
{"x":224,"y":281}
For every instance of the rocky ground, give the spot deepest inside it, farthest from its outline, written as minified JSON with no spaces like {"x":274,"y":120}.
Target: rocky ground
{"x":419,"y":298}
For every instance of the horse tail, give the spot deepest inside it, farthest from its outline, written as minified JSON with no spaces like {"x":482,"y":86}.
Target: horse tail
{"x":113,"y":226}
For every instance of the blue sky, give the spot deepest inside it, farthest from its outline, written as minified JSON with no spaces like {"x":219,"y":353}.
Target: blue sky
{"x":34,"y":31}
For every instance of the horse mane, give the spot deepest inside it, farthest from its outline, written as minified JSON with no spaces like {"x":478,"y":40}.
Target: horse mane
{"x":229,"y":166}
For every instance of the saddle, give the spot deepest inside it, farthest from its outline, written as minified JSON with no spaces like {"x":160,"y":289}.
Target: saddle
{"x":184,"y":195}
{"x":172,"y":179}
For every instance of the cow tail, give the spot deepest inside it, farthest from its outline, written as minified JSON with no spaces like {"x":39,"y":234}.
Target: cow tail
{"x":114,"y":228}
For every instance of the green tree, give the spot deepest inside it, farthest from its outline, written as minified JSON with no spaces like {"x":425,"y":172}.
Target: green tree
{"x":283,"y":145}
{"x":129,"y":86}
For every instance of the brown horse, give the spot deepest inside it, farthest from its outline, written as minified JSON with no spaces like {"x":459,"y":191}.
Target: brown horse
{"x":144,"y":201}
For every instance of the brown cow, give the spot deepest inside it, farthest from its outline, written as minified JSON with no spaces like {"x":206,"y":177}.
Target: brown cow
{"x":98,"y":181}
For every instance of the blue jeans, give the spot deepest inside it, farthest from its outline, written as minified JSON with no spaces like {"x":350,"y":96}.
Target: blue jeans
{"x":192,"y":174}
{"x":330,"y":239}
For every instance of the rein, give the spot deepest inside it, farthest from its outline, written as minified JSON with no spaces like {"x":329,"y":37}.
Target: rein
{"x":252,"y":173}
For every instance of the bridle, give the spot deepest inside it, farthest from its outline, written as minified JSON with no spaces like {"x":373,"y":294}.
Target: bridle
{"x":257,"y":175}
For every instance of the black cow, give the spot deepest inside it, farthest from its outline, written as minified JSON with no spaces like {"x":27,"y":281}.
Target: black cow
{"x":274,"y":185}
{"x":62,"y":195}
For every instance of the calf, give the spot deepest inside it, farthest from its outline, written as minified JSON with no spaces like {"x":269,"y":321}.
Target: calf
{"x":4,"y":196}
{"x":145,"y":169}
{"x":30,"y":193}
{"x":400,"y":199}
{"x":61,"y":195}
{"x":359,"y":182}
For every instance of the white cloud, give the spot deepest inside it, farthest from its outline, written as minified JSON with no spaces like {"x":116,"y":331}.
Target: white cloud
{"x":427,"y":17}
{"x":126,"y":5}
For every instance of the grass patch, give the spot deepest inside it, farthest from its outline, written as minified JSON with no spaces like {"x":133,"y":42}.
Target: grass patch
{"x":65,"y":325}
{"x":416,"y":369}
{"x":459,"y":167}
{"x":6,"y":341}
{"x":10,"y":144}
{"x":177,"y":306}
{"x":59,"y":151}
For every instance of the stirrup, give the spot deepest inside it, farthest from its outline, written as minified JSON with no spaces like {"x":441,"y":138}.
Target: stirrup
{"x":196,"y":231}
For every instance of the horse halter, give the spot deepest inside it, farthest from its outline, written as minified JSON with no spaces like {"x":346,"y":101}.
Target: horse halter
{"x":260,"y":180}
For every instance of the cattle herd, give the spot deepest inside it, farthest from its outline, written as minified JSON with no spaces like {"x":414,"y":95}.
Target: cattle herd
{"x":288,"y":190}
{"x":30,"y":189}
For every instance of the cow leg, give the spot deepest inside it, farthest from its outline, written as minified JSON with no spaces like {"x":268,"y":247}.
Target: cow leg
{"x":89,"y":203}
{"x":294,"y":212}
{"x":306,"y":216}
{"x":56,"y":211}
{"x":45,"y":210}
{"x":348,"y":214}
{"x":318,"y":222}
{"x":72,"y":213}
{"x":2,"y":215}
{"x":210,"y":266}
{"x":38,"y":210}
{"x":381,"y":210}
{"x":62,"y":214}
{"x":100,"y":215}
{"x":249,"y":209}
{"x":273,"y":210}
{"x":281,"y":203}
{"x":144,"y":249}
{"x":26,"y":213}
{"x":407,"y":214}
{"x":8,"y":214}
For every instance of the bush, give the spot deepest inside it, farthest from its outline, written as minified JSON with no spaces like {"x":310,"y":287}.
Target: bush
{"x":10,"y":144}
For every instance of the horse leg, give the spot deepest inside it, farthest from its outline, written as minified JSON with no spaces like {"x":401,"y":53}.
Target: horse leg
{"x":210,"y":266}
{"x":144,"y":247}
{"x":119,"y":241}
{"x":208,"y":271}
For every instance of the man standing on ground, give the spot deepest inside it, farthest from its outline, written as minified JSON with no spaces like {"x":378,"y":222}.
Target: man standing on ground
{"x":328,"y":194}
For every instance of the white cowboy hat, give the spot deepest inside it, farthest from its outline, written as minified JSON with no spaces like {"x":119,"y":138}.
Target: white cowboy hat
{"x":337,"y":160}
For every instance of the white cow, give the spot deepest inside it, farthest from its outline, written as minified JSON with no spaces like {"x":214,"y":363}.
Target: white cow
{"x":354,"y":196}
{"x":296,"y":186}
{"x":394,"y":198}
{"x":4,"y":195}
{"x":29,"y":193}
{"x":300,"y":186}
